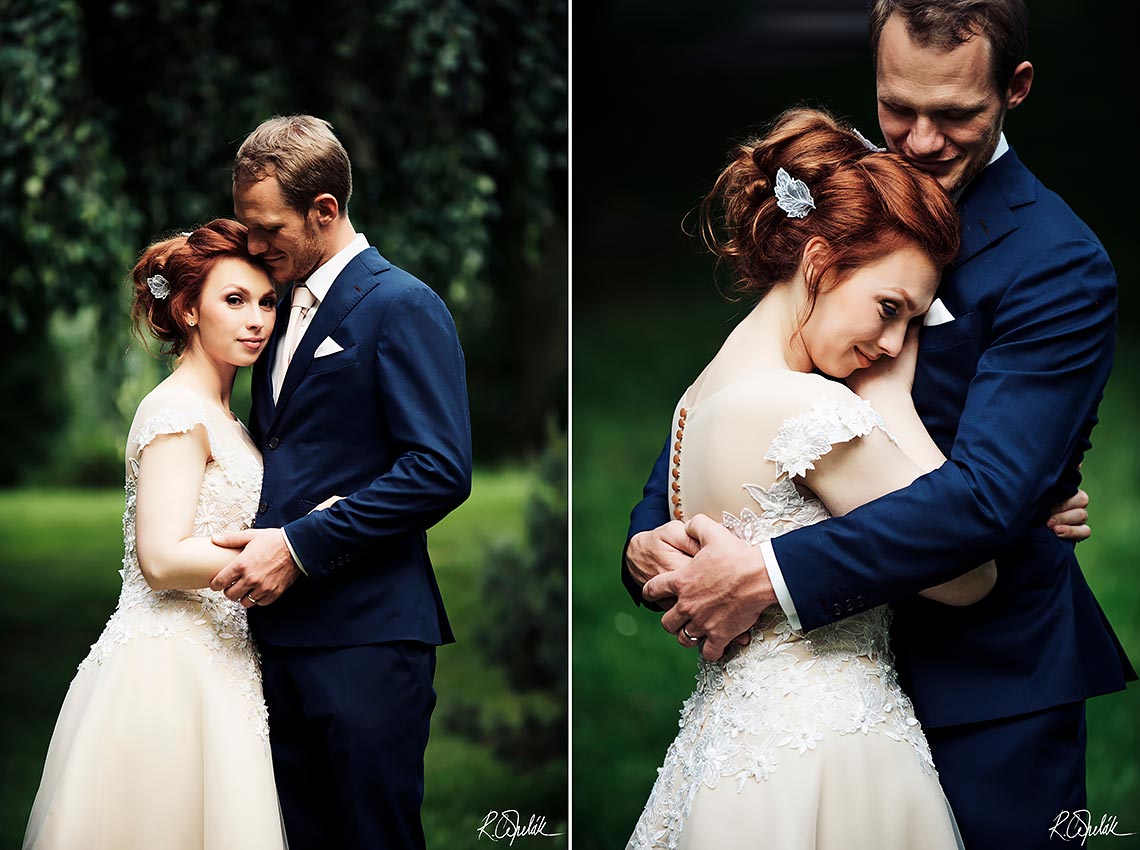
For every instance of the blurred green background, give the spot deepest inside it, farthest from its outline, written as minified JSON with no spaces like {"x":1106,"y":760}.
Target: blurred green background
{"x":118,"y":124}
{"x":677,"y":87}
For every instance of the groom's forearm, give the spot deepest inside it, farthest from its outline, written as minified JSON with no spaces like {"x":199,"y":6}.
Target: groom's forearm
{"x":650,"y":513}
{"x":414,"y":495}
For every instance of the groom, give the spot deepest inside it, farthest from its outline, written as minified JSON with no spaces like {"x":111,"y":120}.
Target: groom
{"x":360,"y":394}
{"x":1009,"y":389}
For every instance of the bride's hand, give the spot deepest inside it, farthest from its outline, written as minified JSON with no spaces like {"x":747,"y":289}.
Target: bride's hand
{"x":889,"y":374}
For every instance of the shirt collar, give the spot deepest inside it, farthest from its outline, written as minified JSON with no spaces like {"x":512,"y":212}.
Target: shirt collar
{"x":321,"y":280}
{"x":999,"y":151}
{"x":1002,"y":147}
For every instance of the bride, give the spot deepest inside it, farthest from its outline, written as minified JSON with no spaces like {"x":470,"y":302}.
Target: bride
{"x":806,"y":740}
{"x":163,"y":739}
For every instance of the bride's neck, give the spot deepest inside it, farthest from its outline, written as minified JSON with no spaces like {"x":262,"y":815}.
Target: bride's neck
{"x":198,"y":372}
{"x":770,"y":332}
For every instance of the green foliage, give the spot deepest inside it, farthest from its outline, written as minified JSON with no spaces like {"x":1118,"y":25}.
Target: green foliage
{"x":525,"y":584}
{"x":65,"y":220}
{"x":120,"y":122}
{"x":29,"y":372}
{"x":524,"y":625}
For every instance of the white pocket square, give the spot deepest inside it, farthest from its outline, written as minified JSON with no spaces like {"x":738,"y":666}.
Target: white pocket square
{"x":937,"y":314}
{"x":329,"y":346}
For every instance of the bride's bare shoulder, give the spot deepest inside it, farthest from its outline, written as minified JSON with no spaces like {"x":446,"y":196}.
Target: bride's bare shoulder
{"x":788,"y":391}
{"x":167,"y":397}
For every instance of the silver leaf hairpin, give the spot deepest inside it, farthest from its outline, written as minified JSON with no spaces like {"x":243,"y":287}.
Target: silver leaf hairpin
{"x":867,"y":143}
{"x":792,"y":195}
{"x":159,"y":286}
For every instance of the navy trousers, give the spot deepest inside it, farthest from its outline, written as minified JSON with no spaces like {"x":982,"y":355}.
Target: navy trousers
{"x":1009,"y":779}
{"x":349,"y":727}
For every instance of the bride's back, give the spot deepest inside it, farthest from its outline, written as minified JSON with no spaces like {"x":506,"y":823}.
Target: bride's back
{"x":723,"y":433}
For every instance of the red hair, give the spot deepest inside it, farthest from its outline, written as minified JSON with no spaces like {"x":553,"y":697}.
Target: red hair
{"x":867,"y":204}
{"x":185,"y":261}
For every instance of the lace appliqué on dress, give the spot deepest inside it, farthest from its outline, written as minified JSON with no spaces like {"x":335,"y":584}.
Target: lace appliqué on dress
{"x":776,"y":697}
{"x":806,"y":438}
{"x":231,"y":488}
{"x":799,"y":443}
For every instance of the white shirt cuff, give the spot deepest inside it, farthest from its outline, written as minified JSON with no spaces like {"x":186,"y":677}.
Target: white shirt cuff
{"x":778,"y":585}
{"x":289,"y":546}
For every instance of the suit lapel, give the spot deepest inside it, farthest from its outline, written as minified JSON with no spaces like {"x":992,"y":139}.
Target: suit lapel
{"x":358,"y":278}
{"x":986,"y":209}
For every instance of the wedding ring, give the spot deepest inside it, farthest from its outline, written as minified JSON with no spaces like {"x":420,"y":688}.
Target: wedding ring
{"x":249,"y":596}
{"x":691,"y":637}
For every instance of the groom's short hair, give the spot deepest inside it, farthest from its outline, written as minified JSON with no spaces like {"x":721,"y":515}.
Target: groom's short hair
{"x":305,"y":156}
{"x":945,"y":24}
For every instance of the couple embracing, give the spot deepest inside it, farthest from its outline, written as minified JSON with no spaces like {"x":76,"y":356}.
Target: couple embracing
{"x":276,"y":577}
{"x":794,"y":522}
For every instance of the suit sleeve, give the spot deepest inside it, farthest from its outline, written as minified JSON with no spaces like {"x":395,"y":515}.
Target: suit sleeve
{"x":1025,"y":422}
{"x":422,"y":384}
{"x":651,"y":512}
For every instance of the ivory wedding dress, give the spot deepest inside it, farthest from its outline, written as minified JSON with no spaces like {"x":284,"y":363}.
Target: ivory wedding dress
{"x":795,"y":741}
{"x":163,"y":740}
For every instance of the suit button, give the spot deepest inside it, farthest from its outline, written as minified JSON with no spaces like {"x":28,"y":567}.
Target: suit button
{"x":262,"y":508}
{"x":837,"y":610}
{"x":849,"y":605}
{"x":861,"y":602}
{"x":274,"y":442}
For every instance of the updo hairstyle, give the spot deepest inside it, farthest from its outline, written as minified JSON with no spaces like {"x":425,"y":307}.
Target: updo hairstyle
{"x":185,"y":261}
{"x":867,"y":204}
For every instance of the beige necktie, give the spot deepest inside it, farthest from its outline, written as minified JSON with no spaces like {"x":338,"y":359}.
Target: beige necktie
{"x":303,"y":301}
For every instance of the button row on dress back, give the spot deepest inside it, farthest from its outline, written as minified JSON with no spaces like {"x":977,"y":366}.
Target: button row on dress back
{"x":677,"y":512}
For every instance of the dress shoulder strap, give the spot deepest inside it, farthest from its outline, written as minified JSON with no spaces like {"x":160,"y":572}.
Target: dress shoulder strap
{"x":805,"y":438}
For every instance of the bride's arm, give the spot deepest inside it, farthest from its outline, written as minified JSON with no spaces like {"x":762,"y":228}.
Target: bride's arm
{"x":170,"y":475}
{"x":862,"y":470}
{"x":887,"y":386}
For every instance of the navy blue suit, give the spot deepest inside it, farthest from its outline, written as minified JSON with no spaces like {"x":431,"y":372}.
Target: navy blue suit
{"x":1009,"y":392}
{"x":348,"y":651}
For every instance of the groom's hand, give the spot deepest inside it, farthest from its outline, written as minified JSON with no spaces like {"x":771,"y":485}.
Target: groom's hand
{"x":720,"y":594}
{"x":262,"y":572}
{"x":1070,"y":518}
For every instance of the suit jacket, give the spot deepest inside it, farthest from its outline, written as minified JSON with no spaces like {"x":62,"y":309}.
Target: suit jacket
{"x":1009,"y":392}
{"x":385,"y":423}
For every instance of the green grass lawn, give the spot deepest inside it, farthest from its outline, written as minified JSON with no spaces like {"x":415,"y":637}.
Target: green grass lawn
{"x":59,"y":556}
{"x":631,"y":363}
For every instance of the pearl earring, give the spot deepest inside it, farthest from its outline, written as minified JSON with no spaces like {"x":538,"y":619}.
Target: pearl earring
{"x":191,"y":323}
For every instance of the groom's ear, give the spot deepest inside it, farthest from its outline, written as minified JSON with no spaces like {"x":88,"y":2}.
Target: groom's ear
{"x":326,"y":208}
{"x":1019,"y":85}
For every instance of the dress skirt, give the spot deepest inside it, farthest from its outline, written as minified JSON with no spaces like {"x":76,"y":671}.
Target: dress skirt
{"x":159,"y":744}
